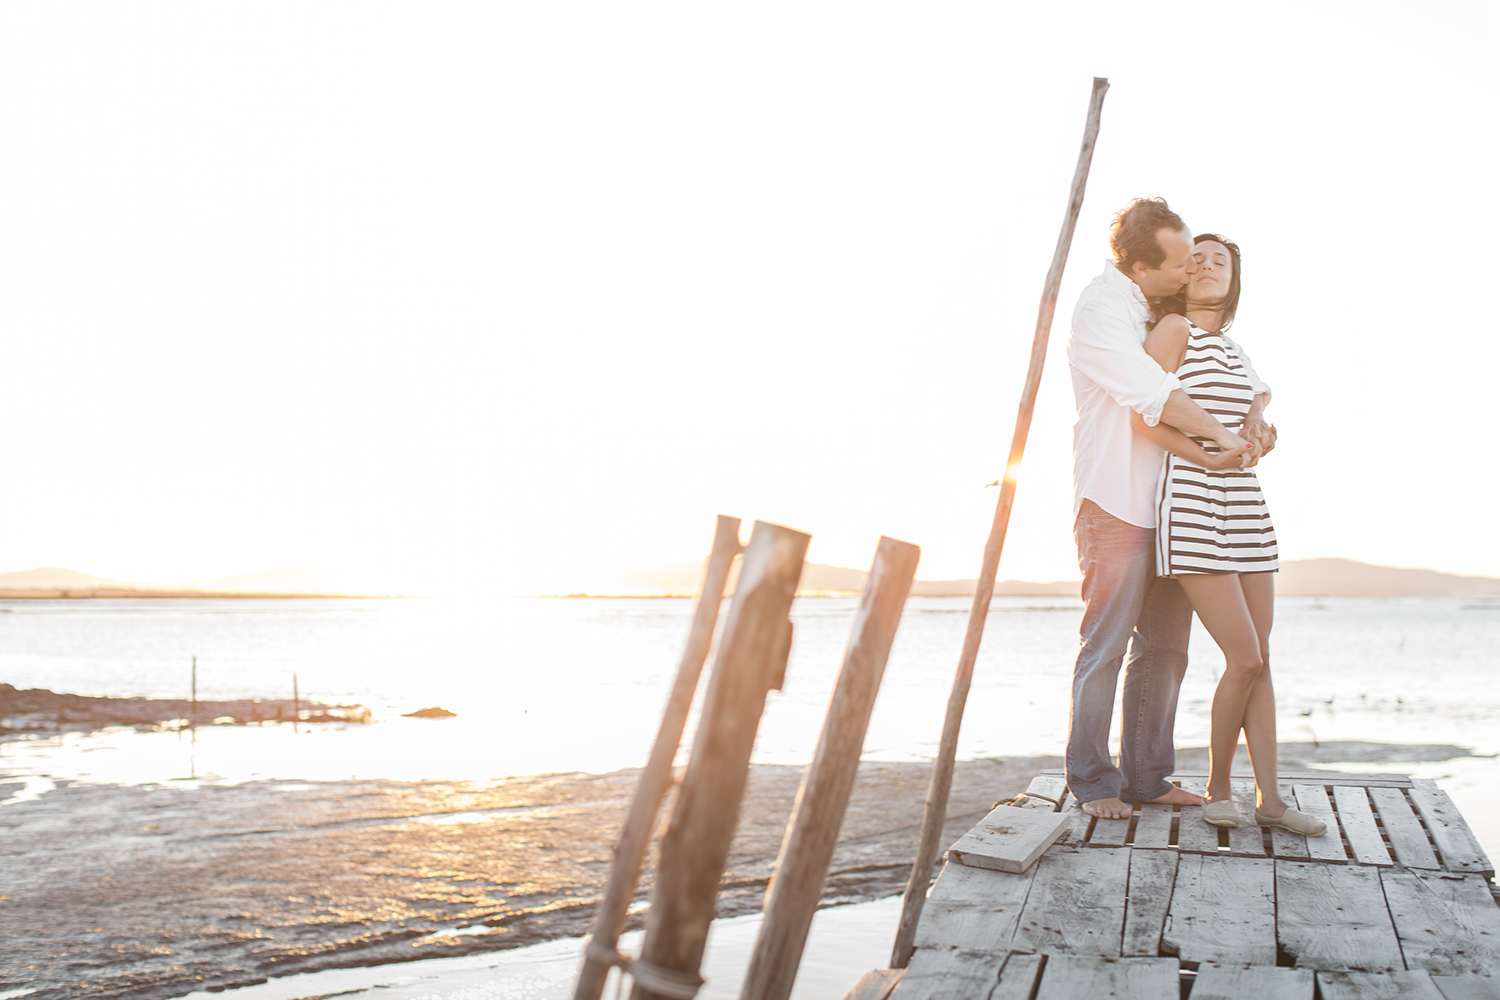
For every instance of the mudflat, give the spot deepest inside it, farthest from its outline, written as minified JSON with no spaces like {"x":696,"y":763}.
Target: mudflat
{"x":156,"y":891}
{"x":111,"y":891}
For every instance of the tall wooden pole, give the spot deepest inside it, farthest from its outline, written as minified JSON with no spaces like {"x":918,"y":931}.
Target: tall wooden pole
{"x":609,"y":921}
{"x":751,"y":661}
{"x":818,"y":813}
{"x":942,"y":771}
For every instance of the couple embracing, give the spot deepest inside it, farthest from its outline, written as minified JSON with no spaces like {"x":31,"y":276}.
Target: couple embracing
{"x":1169,"y":519}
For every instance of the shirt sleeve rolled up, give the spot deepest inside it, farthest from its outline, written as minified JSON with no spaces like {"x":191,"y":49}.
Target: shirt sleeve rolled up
{"x":1108,"y":351}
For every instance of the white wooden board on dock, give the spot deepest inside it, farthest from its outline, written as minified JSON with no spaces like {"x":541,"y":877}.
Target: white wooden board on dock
{"x":1009,"y":839}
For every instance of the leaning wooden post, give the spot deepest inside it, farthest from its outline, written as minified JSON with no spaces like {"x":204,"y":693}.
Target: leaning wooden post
{"x":750,"y":662}
{"x":818,"y":813}
{"x":609,"y":922}
{"x":942,"y":771}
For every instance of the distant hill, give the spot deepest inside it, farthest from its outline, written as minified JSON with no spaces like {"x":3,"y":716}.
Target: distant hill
{"x":53,"y":581}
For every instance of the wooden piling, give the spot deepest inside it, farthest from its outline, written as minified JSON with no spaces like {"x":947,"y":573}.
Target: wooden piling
{"x":751,"y":661}
{"x":193,"y":712}
{"x":942,"y":770}
{"x":818,"y":813}
{"x":609,"y":921}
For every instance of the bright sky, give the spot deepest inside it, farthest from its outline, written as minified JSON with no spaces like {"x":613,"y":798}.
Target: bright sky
{"x":524,"y":294}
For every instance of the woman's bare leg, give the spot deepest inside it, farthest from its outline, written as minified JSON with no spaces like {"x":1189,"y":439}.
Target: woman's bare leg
{"x":1221,"y":604}
{"x":1260,"y":709}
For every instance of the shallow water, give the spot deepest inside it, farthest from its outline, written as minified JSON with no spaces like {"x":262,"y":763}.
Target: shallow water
{"x":845,"y":942}
{"x":544,"y":685}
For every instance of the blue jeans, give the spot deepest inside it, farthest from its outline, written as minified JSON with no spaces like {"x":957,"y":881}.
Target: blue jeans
{"x":1126,"y":608}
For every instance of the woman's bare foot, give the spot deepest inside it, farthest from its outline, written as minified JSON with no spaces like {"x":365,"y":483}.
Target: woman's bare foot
{"x":1177,"y":797}
{"x":1107,"y":808}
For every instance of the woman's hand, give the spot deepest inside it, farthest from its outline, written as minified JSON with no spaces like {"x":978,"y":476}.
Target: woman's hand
{"x":1225,"y":460}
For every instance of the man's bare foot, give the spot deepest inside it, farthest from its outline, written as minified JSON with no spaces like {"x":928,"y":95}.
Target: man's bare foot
{"x":1107,"y":809}
{"x":1177,"y":797}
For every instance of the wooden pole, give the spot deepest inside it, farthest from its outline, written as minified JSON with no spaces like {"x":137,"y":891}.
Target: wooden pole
{"x":193,"y":712}
{"x":609,"y":921}
{"x":296,"y":703}
{"x":818,"y":812}
{"x":942,"y":771}
{"x":750,"y":662}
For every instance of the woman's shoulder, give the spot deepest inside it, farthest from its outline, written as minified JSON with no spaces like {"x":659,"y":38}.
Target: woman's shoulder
{"x":1173,"y":325}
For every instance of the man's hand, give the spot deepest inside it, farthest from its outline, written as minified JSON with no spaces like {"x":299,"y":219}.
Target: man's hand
{"x":1258,"y":429}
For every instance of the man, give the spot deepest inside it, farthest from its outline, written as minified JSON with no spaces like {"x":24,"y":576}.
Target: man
{"x":1115,"y":472}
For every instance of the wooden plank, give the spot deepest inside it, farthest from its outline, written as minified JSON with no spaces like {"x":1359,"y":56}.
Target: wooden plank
{"x":751,"y":662}
{"x":1285,"y":843}
{"x":1110,"y":833}
{"x":1334,"y":918}
{"x":1404,"y":830}
{"x":1255,"y":982}
{"x":1009,"y":839}
{"x":877,"y":984}
{"x":1076,"y":905}
{"x":1358,"y":820}
{"x":818,"y":812}
{"x":1246,"y":838}
{"x":1313,"y":800}
{"x":947,"y":974}
{"x":1460,"y":850}
{"x":1195,"y":834}
{"x":1069,"y":978}
{"x":1048,"y":790}
{"x":974,"y":909}
{"x":1321,"y":778}
{"x":1223,"y":911}
{"x":1447,"y":923}
{"x":1468,"y":987}
{"x":1147,"y":899}
{"x":1377,"y":986}
{"x":1153,"y":826}
{"x":1018,"y":978}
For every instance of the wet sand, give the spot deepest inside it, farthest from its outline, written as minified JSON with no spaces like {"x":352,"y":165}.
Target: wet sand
{"x":153,"y":892}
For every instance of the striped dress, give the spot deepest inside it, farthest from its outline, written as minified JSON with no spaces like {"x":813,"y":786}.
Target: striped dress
{"x":1213,"y":522}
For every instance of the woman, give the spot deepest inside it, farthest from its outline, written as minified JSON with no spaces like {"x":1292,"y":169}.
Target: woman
{"x":1214,"y":534}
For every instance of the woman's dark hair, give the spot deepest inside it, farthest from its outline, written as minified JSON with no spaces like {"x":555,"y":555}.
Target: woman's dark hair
{"x":1177,"y":304}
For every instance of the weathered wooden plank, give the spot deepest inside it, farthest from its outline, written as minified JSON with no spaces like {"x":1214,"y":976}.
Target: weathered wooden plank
{"x":1245,"y":838}
{"x":1009,"y":839}
{"x":806,"y":850}
{"x":1149,"y":895}
{"x":974,"y":909}
{"x":948,"y":974}
{"x":1048,"y":790}
{"x":1254,"y":982}
{"x":1447,"y":923}
{"x":1460,"y":851}
{"x":751,"y":662}
{"x":1223,"y":910}
{"x":1407,"y":836}
{"x":1377,"y":986}
{"x":1313,"y":800}
{"x":1153,"y":826}
{"x":1069,"y":978}
{"x":1285,"y":843}
{"x":1358,"y":820}
{"x":1076,"y":905}
{"x":1322,"y":778}
{"x":1018,"y":978}
{"x":1195,"y":834}
{"x":1334,"y":918}
{"x":1468,"y":987}
{"x":1110,"y":833}
{"x":877,"y":984}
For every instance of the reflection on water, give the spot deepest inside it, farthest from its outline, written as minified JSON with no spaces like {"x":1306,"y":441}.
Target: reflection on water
{"x":552,"y":685}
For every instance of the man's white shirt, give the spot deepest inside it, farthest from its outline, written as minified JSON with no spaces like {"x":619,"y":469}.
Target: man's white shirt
{"x":1113,"y":466}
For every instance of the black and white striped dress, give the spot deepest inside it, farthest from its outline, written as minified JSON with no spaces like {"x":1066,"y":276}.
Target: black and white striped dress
{"x":1213,"y":522}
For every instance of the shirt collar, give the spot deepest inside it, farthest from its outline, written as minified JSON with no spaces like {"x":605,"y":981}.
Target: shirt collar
{"x":1114,"y":276}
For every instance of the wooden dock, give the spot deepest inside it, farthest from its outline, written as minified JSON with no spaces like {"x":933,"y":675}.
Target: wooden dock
{"x":1397,"y":900}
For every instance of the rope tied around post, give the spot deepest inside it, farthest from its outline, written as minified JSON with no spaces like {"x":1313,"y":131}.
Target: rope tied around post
{"x":670,"y":983}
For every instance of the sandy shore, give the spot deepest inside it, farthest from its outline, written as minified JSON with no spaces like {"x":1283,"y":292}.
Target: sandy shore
{"x":157,"y":891}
